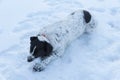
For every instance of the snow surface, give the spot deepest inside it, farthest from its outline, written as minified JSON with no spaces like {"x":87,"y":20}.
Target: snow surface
{"x":94,"y":56}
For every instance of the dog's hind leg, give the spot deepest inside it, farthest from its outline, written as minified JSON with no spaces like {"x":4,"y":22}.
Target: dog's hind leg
{"x":90,"y":27}
{"x":90,"y":22}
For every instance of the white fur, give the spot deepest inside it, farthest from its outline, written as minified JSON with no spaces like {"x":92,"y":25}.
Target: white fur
{"x":63,"y":32}
{"x":42,"y":38}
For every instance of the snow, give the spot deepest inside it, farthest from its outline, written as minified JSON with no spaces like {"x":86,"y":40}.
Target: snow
{"x":94,"y":56}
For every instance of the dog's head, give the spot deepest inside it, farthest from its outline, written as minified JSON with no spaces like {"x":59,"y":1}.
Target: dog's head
{"x":39,"y":48}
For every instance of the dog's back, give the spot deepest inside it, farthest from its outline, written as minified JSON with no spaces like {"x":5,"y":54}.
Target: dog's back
{"x":63,"y":32}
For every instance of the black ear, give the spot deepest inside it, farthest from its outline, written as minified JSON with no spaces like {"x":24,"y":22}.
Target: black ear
{"x":87,"y":16}
{"x":48,"y":48}
{"x":33,"y":38}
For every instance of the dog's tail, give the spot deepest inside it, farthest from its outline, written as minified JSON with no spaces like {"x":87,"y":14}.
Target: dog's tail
{"x":89,"y":21}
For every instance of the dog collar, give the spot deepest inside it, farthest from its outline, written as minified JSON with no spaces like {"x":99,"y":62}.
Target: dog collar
{"x":43,"y":37}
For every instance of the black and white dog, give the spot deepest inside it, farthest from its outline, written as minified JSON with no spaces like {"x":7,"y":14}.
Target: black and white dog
{"x":52,"y":40}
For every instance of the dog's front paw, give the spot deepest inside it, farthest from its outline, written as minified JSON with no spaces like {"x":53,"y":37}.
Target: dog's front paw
{"x":38,"y":68}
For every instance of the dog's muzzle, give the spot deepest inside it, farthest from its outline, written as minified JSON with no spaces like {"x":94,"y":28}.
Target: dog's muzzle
{"x":30,"y":58}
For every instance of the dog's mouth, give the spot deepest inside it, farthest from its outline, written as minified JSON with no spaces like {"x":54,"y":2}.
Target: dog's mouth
{"x":30,"y":58}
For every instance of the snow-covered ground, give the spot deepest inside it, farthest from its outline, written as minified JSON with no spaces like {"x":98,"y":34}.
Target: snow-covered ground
{"x":94,"y":56}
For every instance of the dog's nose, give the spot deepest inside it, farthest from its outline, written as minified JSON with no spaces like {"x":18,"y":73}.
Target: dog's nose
{"x":30,"y":59}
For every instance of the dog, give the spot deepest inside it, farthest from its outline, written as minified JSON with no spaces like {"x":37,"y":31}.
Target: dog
{"x":52,"y":40}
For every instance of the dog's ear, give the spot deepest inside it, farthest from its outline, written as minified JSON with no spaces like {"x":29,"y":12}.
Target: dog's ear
{"x":33,"y":38}
{"x":48,"y":48}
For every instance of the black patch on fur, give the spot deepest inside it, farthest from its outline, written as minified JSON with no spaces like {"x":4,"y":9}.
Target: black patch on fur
{"x":33,"y":38}
{"x":73,"y":13}
{"x":41,"y":49}
{"x":48,"y":49}
{"x":87,"y":16}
